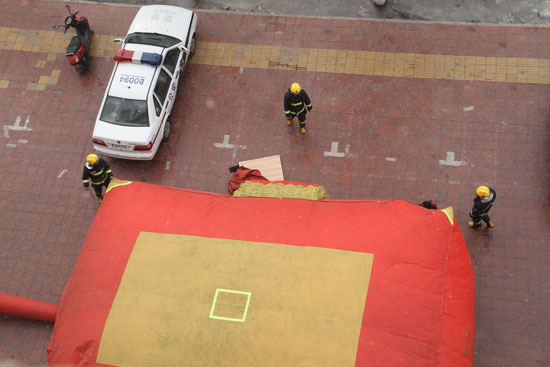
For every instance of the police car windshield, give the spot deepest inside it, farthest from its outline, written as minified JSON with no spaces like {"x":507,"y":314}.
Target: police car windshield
{"x":126,"y":112}
{"x":153,"y":39}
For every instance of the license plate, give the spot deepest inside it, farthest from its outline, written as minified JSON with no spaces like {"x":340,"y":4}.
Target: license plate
{"x":120,"y":146}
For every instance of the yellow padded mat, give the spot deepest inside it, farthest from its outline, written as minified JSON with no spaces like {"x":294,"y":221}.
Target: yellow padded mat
{"x":195,"y":301}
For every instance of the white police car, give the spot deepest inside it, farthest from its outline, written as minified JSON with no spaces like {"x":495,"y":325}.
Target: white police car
{"x":133,"y":118}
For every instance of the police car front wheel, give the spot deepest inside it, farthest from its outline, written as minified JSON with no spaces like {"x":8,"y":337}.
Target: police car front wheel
{"x":167,"y":130}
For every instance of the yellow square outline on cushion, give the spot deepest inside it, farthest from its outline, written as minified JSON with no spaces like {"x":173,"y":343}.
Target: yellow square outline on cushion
{"x":212,"y":316}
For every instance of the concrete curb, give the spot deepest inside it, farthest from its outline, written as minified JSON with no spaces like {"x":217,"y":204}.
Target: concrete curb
{"x":216,"y":11}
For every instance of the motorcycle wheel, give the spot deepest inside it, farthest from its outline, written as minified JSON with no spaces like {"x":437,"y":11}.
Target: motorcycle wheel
{"x":83,"y":66}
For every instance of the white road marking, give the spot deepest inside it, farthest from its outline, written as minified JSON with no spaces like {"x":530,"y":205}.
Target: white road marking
{"x":226,"y":145}
{"x":9,"y":145}
{"x":333,"y":151}
{"x":348,"y":154}
{"x":17,"y":126}
{"x":391,"y":159}
{"x":167,"y":167}
{"x":470,"y":108}
{"x":450,"y":161}
{"x":235,"y":149}
{"x":62,"y":173}
{"x":22,"y":141}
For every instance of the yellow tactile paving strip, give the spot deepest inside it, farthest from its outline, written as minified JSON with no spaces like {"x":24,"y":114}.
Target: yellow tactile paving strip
{"x":390,"y":64}
{"x":51,"y":42}
{"x":44,"y":81}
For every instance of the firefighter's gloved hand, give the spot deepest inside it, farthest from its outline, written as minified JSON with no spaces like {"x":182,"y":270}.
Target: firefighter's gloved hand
{"x":310,"y":108}
{"x":288,"y":117}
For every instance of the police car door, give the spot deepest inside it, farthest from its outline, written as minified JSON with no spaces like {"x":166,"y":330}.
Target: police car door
{"x":171,"y":64}
{"x":160,"y":98}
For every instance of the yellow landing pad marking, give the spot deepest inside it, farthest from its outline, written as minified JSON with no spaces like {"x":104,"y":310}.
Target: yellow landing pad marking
{"x":359,"y":62}
{"x":305,"y":304}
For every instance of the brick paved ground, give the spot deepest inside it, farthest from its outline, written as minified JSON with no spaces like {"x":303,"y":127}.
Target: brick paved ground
{"x":397,"y":112}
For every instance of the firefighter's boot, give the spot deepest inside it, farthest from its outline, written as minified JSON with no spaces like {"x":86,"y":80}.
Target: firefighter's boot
{"x":474,"y":225}
{"x":303,"y":130}
{"x":289,"y":122}
{"x":490,"y":224}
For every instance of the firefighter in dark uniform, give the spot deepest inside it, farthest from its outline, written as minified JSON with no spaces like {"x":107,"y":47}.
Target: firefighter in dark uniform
{"x":297,"y":103}
{"x":483,"y":202}
{"x":98,"y":172}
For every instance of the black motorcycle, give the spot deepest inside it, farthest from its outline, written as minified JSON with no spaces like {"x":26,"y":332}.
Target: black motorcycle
{"x":78,"y":51}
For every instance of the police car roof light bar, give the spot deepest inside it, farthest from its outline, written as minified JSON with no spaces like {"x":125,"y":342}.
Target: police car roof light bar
{"x":137,"y":57}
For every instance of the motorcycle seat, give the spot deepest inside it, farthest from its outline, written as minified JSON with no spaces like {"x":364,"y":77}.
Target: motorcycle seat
{"x":73,"y":47}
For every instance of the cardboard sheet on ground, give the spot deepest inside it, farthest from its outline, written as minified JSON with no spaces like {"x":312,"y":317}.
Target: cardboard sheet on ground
{"x":171,"y":277}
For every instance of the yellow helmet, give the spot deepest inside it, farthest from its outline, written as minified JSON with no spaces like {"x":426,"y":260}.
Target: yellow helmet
{"x":295,"y":88}
{"x":92,"y":159}
{"x":483,"y":192}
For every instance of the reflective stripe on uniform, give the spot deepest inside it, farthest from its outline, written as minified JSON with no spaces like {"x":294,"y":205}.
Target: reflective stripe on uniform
{"x":296,"y":104}
{"x":308,"y":105}
{"x":486,"y":210}
{"x":295,"y":113}
{"x":100,"y":183}
{"x":476,"y":215}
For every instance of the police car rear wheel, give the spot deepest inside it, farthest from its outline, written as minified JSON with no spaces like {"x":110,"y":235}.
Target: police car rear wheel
{"x":167,"y":130}
{"x":193,"y":46}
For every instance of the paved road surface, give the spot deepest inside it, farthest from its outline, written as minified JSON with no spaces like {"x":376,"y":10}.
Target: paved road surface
{"x":401,"y":110}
